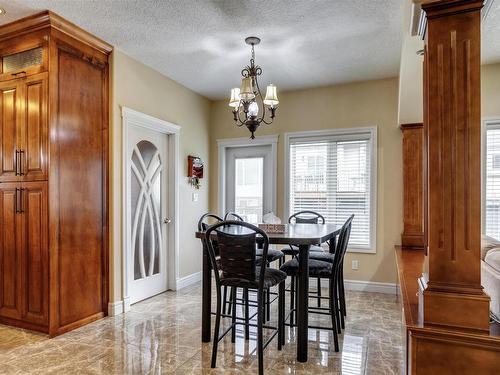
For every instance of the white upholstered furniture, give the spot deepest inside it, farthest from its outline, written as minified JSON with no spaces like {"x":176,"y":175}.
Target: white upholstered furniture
{"x":490,"y":272}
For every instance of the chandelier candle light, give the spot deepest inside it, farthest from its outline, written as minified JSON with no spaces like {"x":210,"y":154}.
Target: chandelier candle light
{"x":245,"y":100}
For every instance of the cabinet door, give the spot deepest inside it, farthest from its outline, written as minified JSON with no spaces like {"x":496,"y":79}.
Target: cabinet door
{"x":9,"y":123}
{"x":35,"y":251}
{"x":10,"y":254}
{"x":33,"y":131}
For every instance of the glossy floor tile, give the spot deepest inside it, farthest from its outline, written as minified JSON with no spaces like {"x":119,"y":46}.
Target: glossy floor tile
{"x":162,"y":335}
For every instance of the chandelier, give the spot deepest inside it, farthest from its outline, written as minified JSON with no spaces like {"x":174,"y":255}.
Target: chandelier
{"x":245,"y":100}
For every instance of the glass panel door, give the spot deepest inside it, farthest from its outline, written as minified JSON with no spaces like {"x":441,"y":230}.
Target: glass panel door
{"x":249,"y":182}
{"x":249,"y":189}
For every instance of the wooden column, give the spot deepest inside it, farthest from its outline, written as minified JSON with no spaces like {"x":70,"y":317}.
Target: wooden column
{"x":413,"y":185}
{"x":452,"y":294}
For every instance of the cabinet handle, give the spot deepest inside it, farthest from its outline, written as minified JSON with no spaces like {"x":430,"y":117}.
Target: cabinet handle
{"x":16,"y":163}
{"x":18,"y":73}
{"x":21,"y":157}
{"x":21,"y":200}
{"x":18,"y":201}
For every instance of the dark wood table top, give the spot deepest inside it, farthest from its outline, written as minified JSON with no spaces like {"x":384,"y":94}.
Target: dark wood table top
{"x":295,"y":234}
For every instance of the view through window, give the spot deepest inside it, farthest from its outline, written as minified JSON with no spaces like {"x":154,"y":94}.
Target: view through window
{"x":332,"y":176}
{"x":492,"y":203}
{"x":249,"y":184}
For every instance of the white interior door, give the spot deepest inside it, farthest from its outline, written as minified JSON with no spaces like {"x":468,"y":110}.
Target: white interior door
{"x":249,"y":182}
{"x":147,"y":198}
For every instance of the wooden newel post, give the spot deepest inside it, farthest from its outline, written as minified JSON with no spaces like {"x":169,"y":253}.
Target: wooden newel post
{"x":452,"y":291}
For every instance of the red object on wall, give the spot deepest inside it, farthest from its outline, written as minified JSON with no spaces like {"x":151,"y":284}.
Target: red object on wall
{"x":195,"y":167}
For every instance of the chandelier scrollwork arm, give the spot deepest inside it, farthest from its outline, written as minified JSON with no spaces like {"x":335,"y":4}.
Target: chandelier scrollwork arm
{"x":249,"y":106}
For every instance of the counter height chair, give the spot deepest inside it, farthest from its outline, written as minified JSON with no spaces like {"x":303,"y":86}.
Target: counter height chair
{"x":304,"y":217}
{"x":272,"y":256}
{"x":237,"y":267}
{"x":202,"y":227}
{"x":330,"y":271}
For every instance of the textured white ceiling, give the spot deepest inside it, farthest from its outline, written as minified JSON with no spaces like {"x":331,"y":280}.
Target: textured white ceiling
{"x":490,"y":48}
{"x":200,"y":43}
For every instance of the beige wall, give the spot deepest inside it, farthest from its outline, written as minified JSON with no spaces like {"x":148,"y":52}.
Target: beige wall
{"x":411,"y":95}
{"x":490,"y":90}
{"x":345,"y":106}
{"x":139,"y":87}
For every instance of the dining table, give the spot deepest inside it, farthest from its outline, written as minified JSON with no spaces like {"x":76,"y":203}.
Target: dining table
{"x":301,"y":235}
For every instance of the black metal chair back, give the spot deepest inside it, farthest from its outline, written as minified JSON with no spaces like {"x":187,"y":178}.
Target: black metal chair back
{"x":232,"y":216}
{"x":237,"y":259}
{"x":203,"y":225}
{"x":307,"y":217}
{"x":342,"y":242}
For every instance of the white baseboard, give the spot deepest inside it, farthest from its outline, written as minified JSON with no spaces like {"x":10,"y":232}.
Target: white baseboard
{"x":115,"y":308}
{"x":119,"y":307}
{"x":371,"y":286}
{"x":362,"y":286}
{"x":188,"y":280}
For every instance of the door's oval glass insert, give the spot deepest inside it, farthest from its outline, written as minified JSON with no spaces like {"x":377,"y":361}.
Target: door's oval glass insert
{"x":146,"y":172}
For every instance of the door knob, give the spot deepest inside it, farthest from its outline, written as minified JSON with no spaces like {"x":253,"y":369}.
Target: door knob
{"x":167,"y":220}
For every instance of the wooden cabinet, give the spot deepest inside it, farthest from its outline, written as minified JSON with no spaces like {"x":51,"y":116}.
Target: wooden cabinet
{"x":24,"y":128}
{"x":23,"y":251}
{"x":10,"y":126}
{"x":53,"y":175}
{"x":33,"y":128}
{"x":11,"y":291}
{"x":413,"y":186}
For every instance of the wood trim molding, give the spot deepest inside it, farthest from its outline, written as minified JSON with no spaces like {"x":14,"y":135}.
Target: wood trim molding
{"x":441,"y":8}
{"x":50,"y":19}
{"x":416,"y":125}
{"x":453,"y":137}
{"x":413,"y":234}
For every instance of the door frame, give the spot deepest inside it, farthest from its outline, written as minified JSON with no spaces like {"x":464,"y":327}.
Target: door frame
{"x":135,"y":118}
{"x":223,"y":144}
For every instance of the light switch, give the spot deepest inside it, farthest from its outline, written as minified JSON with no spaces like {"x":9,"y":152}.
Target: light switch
{"x":355,"y":265}
{"x":195,"y":197}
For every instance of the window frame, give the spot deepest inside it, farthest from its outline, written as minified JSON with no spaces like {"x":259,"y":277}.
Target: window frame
{"x":340,"y":134}
{"x":487,"y":123}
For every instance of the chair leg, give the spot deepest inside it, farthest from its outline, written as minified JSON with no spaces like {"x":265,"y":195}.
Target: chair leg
{"x":216,"y":330}
{"x":341,"y":312}
{"x":224,"y":300}
{"x":292,"y":300}
{"x":336,"y":303}
{"x":281,"y":315}
{"x":319,"y":291}
{"x":230,"y":304}
{"x":233,"y":316}
{"x":342,"y":290}
{"x":260,"y":340}
{"x":247,"y":314}
{"x":333,"y":315}
{"x":268,"y":305}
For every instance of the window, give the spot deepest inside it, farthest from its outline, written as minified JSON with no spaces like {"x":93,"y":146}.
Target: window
{"x":248,"y":192}
{"x":332,"y":173}
{"x":492,"y":184}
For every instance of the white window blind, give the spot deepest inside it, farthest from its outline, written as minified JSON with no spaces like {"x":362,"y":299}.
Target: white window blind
{"x":332,"y":176}
{"x":492,"y":202}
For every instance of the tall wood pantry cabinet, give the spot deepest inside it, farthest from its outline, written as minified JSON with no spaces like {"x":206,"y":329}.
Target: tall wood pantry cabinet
{"x":53,"y":174}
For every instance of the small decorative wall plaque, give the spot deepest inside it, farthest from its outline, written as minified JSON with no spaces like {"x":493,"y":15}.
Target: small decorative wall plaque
{"x":195,"y":171}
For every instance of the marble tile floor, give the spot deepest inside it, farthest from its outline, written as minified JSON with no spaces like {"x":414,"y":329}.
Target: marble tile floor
{"x":162,"y":335}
